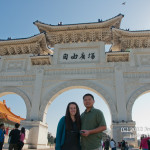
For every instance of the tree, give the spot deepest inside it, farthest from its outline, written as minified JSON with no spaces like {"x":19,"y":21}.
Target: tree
{"x":50,"y":138}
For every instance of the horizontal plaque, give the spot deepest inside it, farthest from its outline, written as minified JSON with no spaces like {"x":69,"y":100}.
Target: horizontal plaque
{"x":78,"y":56}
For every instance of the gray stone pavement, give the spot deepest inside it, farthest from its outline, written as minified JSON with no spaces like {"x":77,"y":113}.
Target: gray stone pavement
{"x":33,"y":149}
{"x":53,"y":148}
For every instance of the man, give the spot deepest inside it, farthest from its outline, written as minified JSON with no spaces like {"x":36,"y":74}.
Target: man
{"x":123,"y":145}
{"x":92,"y":125}
{"x":2,"y":132}
{"x":106,"y":144}
{"x":15,"y":136}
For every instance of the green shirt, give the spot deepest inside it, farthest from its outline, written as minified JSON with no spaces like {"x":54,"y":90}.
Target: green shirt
{"x":92,"y":120}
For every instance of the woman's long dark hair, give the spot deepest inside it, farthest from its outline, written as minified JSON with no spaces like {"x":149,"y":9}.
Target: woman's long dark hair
{"x":68,"y":117}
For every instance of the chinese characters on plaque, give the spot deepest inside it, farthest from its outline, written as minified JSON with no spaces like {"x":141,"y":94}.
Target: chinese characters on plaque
{"x":79,"y":56}
{"x":82,"y":56}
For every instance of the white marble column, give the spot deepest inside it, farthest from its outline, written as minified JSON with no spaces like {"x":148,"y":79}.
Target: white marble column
{"x":36,"y":134}
{"x":37,"y":92}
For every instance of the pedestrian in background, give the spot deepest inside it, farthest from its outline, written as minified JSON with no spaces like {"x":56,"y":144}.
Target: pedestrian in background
{"x":113,"y":144}
{"x":123,"y":145}
{"x":144,"y":143}
{"x":107,"y":144}
{"x":22,"y":137}
{"x":14,"y":136}
{"x":2,"y":137}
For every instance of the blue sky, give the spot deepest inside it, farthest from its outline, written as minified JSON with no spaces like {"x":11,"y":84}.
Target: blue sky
{"x":16,"y":21}
{"x":17,"y":16}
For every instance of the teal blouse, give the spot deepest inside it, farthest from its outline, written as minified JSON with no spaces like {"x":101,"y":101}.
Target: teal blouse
{"x":60,"y":135}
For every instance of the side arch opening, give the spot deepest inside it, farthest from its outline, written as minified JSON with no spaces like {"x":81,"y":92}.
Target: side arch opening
{"x":140,"y":114}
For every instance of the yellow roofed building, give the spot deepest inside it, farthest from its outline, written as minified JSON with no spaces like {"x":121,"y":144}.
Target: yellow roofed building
{"x":7,"y":117}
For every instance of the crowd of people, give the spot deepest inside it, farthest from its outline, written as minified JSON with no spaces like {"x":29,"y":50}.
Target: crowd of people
{"x":16,"y":137}
{"x":123,"y":145}
{"x":109,"y":144}
{"x":113,"y":145}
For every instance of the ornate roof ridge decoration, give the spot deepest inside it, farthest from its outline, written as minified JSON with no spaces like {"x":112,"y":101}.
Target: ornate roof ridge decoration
{"x":22,"y":40}
{"x":32,"y":45}
{"x":125,"y":39}
{"x":100,"y":31}
{"x":110,"y":22}
{"x":128,"y":33}
{"x":117,"y":57}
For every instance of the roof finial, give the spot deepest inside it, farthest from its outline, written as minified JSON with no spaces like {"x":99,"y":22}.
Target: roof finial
{"x":4,"y":101}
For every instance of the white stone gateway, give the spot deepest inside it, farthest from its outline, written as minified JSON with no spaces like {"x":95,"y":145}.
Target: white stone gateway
{"x":29,"y":68}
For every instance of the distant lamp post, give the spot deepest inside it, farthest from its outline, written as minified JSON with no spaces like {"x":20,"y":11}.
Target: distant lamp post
{"x":60,"y":23}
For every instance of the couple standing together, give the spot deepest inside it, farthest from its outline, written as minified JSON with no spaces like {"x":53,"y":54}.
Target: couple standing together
{"x":88,"y":126}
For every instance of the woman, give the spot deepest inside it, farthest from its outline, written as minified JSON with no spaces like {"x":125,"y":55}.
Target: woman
{"x":68,"y":129}
{"x":22,"y":137}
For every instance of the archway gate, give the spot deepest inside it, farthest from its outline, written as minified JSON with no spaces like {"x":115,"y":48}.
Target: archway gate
{"x":37,"y":73}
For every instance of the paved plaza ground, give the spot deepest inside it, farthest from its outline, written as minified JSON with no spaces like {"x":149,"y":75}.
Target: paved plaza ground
{"x":52,"y":148}
{"x":33,"y":149}
{"x":6,"y":148}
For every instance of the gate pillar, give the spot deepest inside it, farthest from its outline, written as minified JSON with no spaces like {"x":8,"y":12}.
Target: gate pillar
{"x":124,"y":131}
{"x":36,"y":134}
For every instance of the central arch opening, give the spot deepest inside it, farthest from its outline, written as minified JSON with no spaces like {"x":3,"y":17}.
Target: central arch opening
{"x":58,"y":104}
